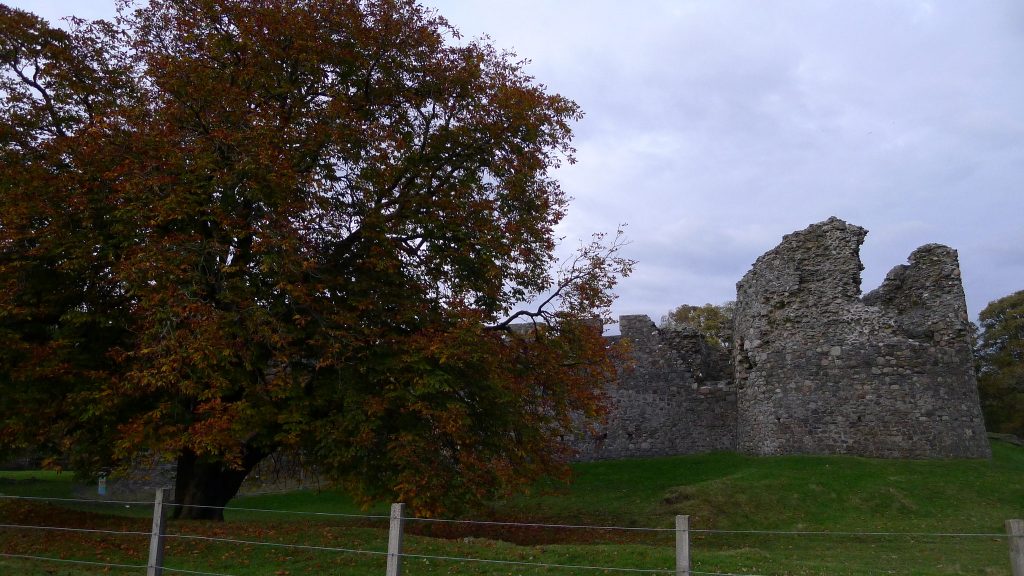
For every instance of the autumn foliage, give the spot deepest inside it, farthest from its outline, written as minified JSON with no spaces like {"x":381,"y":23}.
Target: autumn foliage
{"x":232,"y":227}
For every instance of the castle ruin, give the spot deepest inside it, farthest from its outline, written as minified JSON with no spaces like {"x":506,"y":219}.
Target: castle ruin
{"x":814,"y":368}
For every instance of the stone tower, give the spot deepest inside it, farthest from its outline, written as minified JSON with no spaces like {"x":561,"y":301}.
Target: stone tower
{"x":820,"y":370}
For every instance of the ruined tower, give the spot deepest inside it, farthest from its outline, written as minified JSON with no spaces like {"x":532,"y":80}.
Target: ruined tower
{"x":820,"y":370}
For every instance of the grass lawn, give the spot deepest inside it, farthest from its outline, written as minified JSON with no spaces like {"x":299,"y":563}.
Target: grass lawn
{"x":729,"y":491}
{"x":718,"y":491}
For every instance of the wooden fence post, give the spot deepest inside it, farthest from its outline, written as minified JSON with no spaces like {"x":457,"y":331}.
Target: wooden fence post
{"x":155,"y":566}
{"x":1015,"y":531}
{"x":395,"y":540}
{"x":683,"y":546}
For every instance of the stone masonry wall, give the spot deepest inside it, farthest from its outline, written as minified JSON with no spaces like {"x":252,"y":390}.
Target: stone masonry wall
{"x":678,"y":398}
{"x":821,"y":371}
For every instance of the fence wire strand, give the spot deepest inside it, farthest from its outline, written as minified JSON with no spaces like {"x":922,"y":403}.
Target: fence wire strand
{"x":537,"y":564}
{"x":198,"y":573}
{"x":404,"y":555}
{"x":539,"y":525}
{"x":67,"y":561}
{"x":81,"y":500}
{"x":720,"y":573}
{"x":846,"y":534}
{"x":84,"y":530}
{"x":275,"y":544}
{"x":175,"y":504}
{"x":234,"y":509}
{"x":708,"y":531}
{"x":524,"y":524}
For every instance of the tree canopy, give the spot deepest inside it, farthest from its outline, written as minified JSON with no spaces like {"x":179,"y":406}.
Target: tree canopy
{"x":229,"y":227}
{"x":1000,"y":362}
{"x":714,"y":321}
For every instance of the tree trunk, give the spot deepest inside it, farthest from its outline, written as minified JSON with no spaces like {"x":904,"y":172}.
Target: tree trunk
{"x":202,"y":488}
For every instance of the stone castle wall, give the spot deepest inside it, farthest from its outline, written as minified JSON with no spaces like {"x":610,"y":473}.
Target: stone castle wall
{"x":816,"y":369}
{"x":820,"y":370}
{"x":678,"y":398}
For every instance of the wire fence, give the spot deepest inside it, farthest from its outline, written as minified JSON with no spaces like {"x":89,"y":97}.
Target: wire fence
{"x":395,"y":553}
{"x":704,"y":530}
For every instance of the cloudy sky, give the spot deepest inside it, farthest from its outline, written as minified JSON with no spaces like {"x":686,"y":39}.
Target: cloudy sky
{"x":714,"y":127}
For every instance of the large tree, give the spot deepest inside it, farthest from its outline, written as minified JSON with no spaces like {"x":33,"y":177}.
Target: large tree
{"x":1000,"y":360}
{"x":230,"y":227}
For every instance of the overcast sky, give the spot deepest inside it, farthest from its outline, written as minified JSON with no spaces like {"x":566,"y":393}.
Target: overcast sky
{"x":713,"y":128}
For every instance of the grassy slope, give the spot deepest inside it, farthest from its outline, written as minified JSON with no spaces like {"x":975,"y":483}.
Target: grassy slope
{"x":722,"y":491}
{"x":728,"y":491}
